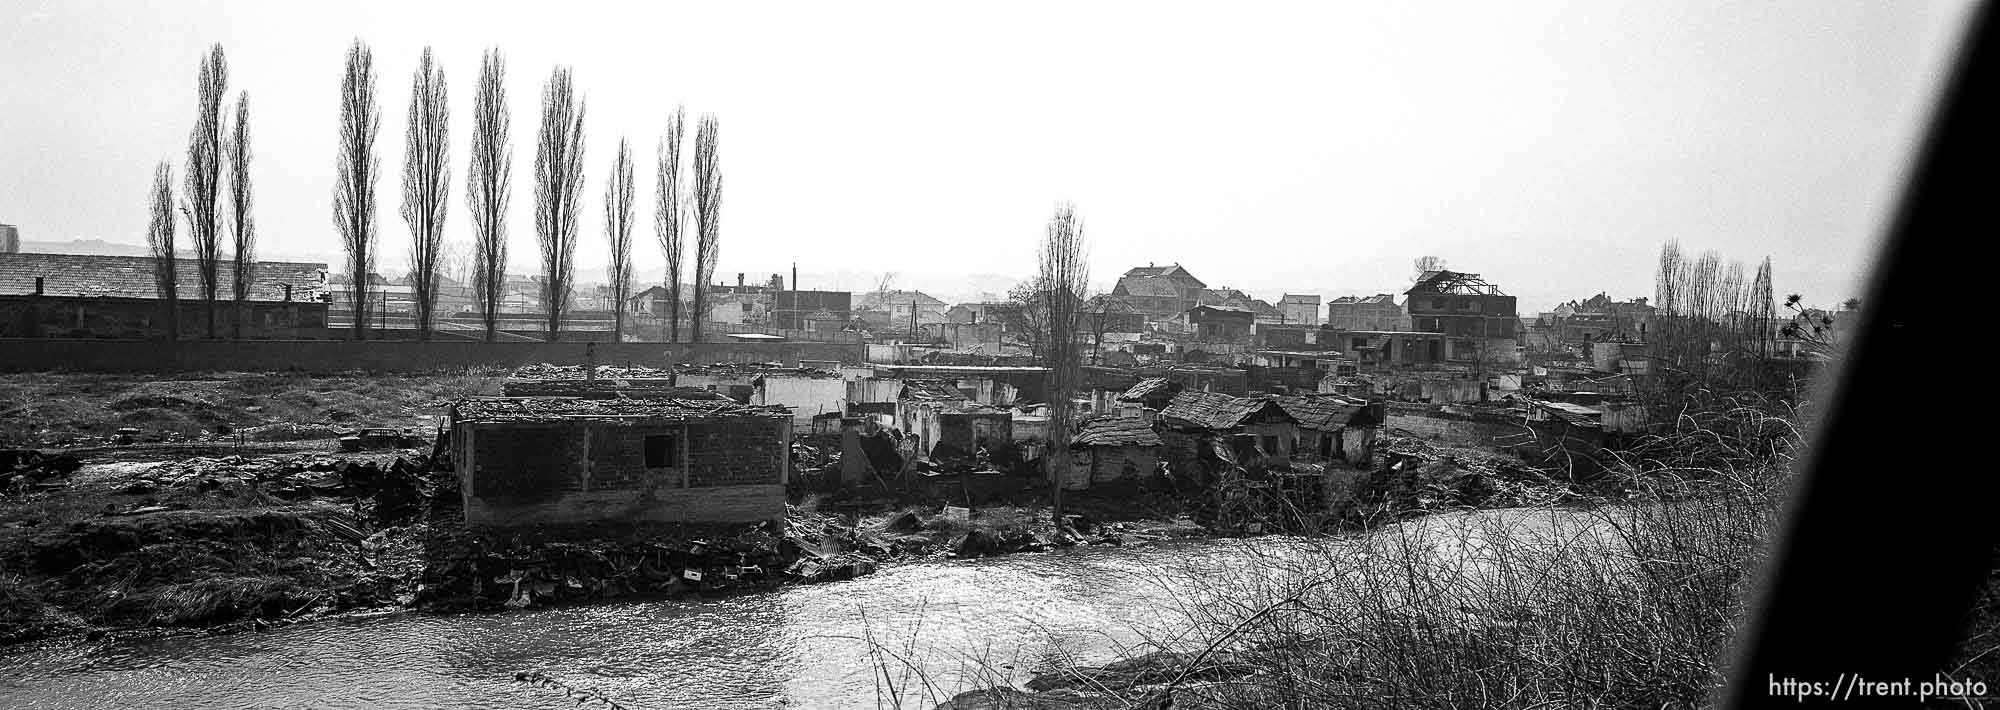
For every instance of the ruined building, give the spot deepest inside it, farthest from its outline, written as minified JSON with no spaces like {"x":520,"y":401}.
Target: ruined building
{"x":558,"y":460}
{"x":1479,"y":322}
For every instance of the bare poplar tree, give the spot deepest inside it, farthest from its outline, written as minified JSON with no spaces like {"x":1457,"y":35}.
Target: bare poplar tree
{"x":204,"y":177}
{"x":1061,"y":279}
{"x":558,"y":192}
{"x":426,"y":185}
{"x":489,"y":184}
{"x":618,"y":195}
{"x":669,"y":216}
{"x":707,"y":217}
{"x":160,"y":238}
{"x":243,"y":255}
{"x":356,"y":167}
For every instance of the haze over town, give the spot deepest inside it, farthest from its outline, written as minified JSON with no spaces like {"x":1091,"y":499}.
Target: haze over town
{"x":1273,"y":148}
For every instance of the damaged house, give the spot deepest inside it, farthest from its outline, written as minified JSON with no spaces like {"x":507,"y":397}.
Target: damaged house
{"x":1109,"y":449}
{"x":1333,"y":427}
{"x":948,"y":424}
{"x":559,"y":460}
{"x":1194,"y":424}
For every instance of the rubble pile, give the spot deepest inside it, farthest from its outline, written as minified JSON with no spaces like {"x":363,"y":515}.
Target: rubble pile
{"x":1417,"y":476}
{"x":471,"y":570}
{"x":390,"y":494}
{"x":22,"y":469}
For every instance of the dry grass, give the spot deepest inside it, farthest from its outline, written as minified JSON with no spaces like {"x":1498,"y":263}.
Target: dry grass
{"x":1630,"y":605}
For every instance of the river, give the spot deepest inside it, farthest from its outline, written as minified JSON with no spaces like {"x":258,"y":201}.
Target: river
{"x":821,"y":646}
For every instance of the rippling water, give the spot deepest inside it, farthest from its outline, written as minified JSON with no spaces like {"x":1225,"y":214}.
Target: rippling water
{"x":803,"y":647}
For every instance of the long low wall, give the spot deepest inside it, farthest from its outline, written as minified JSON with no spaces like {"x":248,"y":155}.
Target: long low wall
{"x":321,"y":356}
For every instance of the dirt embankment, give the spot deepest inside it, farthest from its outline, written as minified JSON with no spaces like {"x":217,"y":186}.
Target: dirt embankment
{"x":79,"y":409}
{"x":238,"y":543}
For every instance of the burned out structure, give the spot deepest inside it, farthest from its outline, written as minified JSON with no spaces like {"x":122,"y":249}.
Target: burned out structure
{"x":564,"y":461}
{"x":948,"y":424}
{"x":1480,"y":323}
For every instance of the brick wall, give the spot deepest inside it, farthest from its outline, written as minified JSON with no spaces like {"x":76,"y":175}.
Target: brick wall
{"x":722,"y":471}
{"x":323,"y":356}
{"x":142,"y":318}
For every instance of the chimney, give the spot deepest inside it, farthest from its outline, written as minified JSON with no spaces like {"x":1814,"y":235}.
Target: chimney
{"x":38,"y":285}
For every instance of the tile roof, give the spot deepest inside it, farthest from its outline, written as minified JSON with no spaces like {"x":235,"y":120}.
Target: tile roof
{"x":1147,"y":286}
{"x":1148,"y":272}
{"x":1115,"y":431}
{"x":1215,"y":410}
{"x":550,"y":409}
{"x":132,"y":277}
{"x":1322,"y":412}
{"x":1146,"y":388}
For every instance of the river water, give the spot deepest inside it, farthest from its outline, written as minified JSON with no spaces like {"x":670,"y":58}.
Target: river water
{"x":960,"y":623}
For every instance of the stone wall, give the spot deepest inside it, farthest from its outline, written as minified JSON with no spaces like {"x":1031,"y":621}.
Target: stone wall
{"x":324,"y":356}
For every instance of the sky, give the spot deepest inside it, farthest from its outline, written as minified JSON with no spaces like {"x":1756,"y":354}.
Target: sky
{"x":1276,"y":148}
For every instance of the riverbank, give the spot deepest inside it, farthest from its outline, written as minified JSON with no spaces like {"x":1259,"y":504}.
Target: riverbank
{"x":157,"y":539}
{"x":245,"y":542}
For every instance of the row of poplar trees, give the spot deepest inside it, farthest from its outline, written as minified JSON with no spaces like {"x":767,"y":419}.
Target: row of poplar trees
{"x":682,"y":205}
{"x":218,"y":159}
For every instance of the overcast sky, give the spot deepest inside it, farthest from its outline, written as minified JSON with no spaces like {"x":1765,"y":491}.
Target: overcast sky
{"x":1312,"y":147}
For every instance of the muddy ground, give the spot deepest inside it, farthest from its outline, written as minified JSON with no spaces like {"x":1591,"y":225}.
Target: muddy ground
{"x":80,"y":409}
